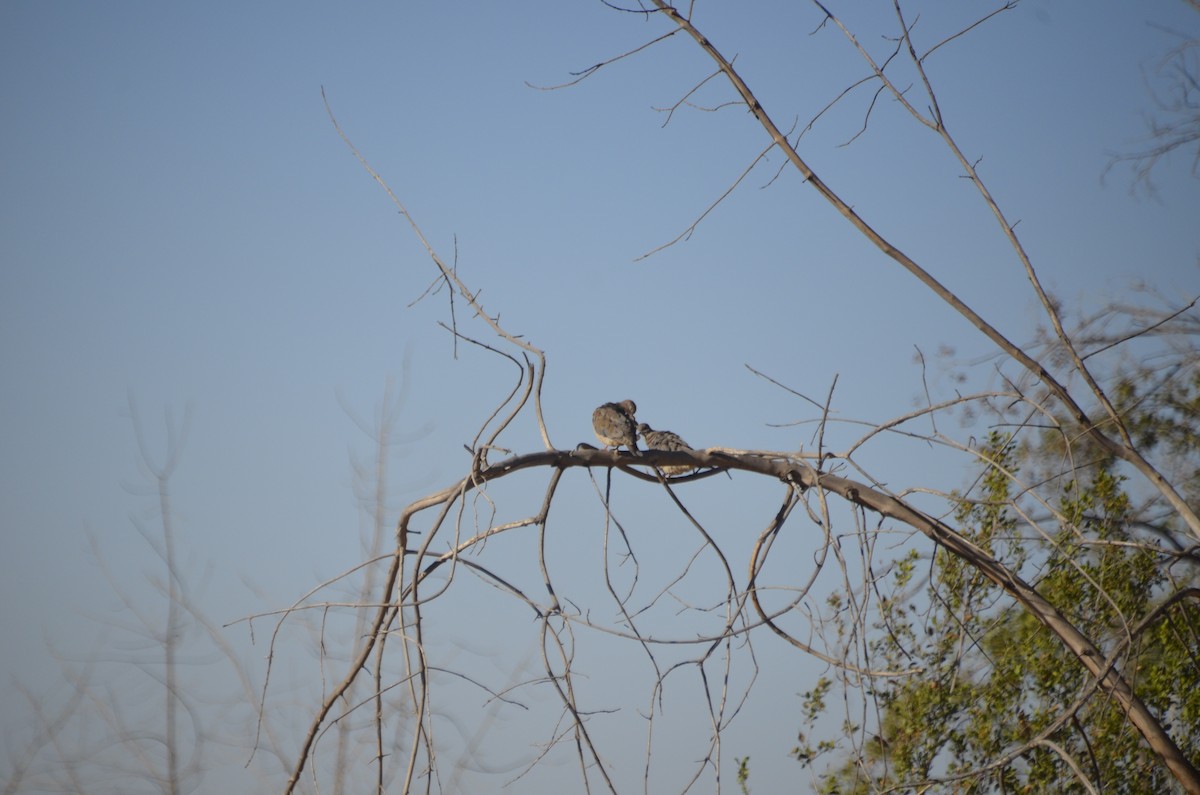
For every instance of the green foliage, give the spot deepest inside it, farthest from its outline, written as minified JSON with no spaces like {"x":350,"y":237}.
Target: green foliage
{"x":994,"y":684}
{"x":1170,"y":422}
{"x":812,"y":706}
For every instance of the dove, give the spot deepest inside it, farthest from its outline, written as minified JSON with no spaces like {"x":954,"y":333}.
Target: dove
{"x":665,"y":440}
{"x":615,"y":426}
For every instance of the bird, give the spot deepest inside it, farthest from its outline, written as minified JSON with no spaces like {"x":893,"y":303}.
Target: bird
{"x":615,"y":426}
{"x":665,"y":440}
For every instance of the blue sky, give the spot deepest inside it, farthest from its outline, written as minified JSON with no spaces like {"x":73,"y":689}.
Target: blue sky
{"x":181,"y":224}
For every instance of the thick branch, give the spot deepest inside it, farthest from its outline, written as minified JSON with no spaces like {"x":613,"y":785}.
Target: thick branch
{"x":804,"y":476}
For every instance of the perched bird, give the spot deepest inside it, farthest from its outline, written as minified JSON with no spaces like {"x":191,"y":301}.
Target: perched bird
{"x":665,"y":440}
{"x":615,"y":426}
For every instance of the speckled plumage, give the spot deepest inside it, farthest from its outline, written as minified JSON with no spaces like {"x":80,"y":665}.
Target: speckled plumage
{"x":665,"y":440}
{"x":615,"y":425}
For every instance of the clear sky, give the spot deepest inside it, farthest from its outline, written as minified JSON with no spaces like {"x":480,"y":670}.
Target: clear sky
{"x":180,"y":224}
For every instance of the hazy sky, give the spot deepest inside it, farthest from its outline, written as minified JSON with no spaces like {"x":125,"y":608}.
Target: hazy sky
{"x":182,"y":226}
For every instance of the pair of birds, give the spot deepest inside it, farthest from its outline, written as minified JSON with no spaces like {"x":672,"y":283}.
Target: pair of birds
{"x":616,"y":426}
